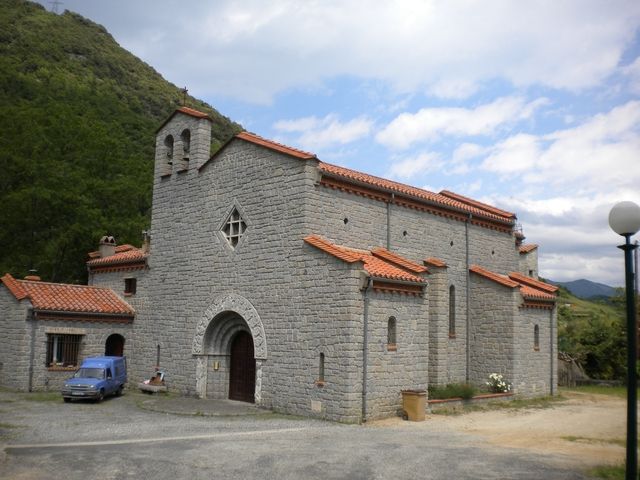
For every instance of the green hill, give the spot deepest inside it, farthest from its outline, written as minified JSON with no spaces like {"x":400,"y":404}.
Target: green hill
{"x":77,"y":120}
{"x":594,"y":333}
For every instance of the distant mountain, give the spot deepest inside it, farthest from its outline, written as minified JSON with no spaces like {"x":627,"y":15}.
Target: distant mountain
{"x":587,"y":289}
{"x":78,"y":115}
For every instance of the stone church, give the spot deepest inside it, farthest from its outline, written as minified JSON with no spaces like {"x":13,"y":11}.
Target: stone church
{"x":270,"y":276}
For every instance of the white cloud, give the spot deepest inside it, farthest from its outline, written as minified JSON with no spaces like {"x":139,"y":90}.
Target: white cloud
{"x":251,"y":50}
{"x":410,"y":167}
{"x":431,"y":123}
{"x":316,"y":133}
{"x":632,"y":73}
{"x":596,"y":155}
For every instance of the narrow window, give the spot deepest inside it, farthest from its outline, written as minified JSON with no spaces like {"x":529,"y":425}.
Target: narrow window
{"x":168,"y":143}
{"x":62,"y":350}
{"x":130,"y":286}
{"x":391,"y":334}
{"x":452,"y":311}
{"x":536,"y":338}
{"x":321,"y":369}
{"x":185,"y":136}
{"x":531,"y":273}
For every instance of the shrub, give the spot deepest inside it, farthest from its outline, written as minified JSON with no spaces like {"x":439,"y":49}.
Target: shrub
{"x":453,"y":390}
{"x":497,"y":384}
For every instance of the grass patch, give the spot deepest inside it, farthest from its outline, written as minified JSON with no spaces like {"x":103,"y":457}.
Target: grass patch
{"x":517,"y":404}
{"x":614,"y":441}
{"x":453,"y":390}
{"x":608,"y":472}
{"x":620,"y":392}
{"x":43,"y":397}
{"x":7,"y":426}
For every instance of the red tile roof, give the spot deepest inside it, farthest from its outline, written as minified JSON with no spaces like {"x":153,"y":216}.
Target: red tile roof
{"x":60,"y":297}
{"x":124,"y":254}
{"x":374,"y":265}
{"x":258,"y":140}
{"x":447,"y":201}
{"x":496,"y":277}
{"x":401,"y":262}
{"x":532,"y":282}
{"x":186,"y":111}
{"x":527,"y":248}
{"x":444,"y":199}
{"x":435,"y":262}
{"x":529,"y":287}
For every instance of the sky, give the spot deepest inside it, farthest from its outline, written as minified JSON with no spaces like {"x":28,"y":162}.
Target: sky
{"x":533,"y":107}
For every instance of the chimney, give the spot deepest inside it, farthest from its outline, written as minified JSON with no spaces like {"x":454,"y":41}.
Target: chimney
{"x":107,"y":246}
{"x":146,"y":242}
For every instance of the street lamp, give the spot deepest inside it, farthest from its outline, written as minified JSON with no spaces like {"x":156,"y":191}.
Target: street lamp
{"x":624,"y":219}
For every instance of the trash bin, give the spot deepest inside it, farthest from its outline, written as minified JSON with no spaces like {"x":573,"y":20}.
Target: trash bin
{"x":413,"y":403}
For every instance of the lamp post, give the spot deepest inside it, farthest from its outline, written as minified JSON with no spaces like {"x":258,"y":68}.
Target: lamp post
{"x":624,"y":219}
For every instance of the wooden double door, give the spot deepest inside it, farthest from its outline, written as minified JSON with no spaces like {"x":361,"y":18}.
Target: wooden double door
{"x":242,"y":370}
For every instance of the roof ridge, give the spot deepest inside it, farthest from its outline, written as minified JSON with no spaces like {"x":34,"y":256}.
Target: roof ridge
{"x":14,"y":286}
{"x":476,"y":203}
{"x":468,"y":205}
{"x":532,"y":282}
{"x":280,"y":147}
{"x":398,"y":260}
{"x":496,"y":277}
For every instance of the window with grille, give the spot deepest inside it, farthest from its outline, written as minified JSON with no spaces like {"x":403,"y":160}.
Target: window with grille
{"x":234,"y":228}
{"x":62,"y":350}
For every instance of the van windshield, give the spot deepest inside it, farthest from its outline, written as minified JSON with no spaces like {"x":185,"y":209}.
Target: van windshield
{"x":90,"y":373}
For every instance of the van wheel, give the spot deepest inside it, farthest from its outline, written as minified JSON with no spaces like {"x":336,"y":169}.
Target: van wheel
{"x":100,"y":396}
{"x":119,"y":391}
{"x":66,"y":400}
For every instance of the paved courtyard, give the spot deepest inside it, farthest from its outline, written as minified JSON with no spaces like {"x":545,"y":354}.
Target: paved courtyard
{"x":134,"y":436}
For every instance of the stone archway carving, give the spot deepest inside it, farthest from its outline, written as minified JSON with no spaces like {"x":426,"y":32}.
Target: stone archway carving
{"x":236,"y":304}
{"x":229,"y":304}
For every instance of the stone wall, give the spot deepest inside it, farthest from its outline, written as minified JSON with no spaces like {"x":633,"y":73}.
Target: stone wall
{"x":14,"y":348}
{"x":529,"y":263}
{"x":494,"y":310}
{"x":534,"y":374}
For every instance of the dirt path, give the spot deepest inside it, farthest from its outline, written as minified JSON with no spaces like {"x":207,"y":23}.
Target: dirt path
{"x":584,"y":430}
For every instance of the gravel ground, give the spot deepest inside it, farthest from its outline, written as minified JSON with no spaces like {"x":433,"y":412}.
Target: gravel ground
{"x":119,"y":439}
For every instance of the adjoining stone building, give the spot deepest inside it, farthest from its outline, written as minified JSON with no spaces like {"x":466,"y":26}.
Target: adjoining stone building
{"x":272,"y":277}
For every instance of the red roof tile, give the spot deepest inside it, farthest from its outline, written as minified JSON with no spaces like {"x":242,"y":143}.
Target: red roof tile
{"x":124,"y":254}
{"x":186,"y":111}
{"x":501,"y":279}
{"x":258,"y":140}
{"x":435,"y":262}
{"x":390,"y":257}
{"x":444,"y":199}
{"x":60,"y":297}
{"x":477,"y":204}
{"x":529,"y":288}
{"x":532,"y":282}
{"x":192,"y":112}
{"x":527,"y":248}
{"x":466,"y":206}
{"x":374,"y":265}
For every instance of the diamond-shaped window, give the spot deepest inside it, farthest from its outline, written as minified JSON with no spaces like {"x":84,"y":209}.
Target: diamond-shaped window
{"x":234,"y":228}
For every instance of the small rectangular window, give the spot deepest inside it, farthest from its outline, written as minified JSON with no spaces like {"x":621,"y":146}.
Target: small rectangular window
{"x":130,"y":286}
{"x":62,"y":350}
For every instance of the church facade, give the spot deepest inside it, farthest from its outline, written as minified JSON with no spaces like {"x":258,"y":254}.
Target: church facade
{"x":272,"y":277}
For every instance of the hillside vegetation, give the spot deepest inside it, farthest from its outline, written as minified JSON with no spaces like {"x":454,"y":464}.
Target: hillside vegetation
{"x":594,"y":333}
{"x":77,"y":120}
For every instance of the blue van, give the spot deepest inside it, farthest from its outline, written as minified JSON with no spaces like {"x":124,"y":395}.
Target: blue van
{"x":96,"y":378}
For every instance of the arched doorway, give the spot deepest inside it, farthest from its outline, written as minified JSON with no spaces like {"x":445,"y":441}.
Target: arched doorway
{"x":242,"y":368}
{"x":114,"y":346}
